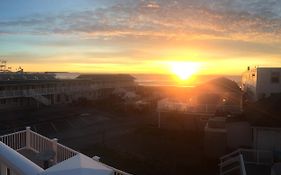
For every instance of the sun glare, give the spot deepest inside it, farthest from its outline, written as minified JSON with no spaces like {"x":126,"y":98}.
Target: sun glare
{"x":184,"y":70}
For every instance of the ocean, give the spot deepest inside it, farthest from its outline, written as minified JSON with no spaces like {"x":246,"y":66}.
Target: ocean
{"x":170,"y":80}
{"x":163,"y":80}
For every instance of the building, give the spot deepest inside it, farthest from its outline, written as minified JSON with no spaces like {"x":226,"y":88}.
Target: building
{"x":29,"y":153}
{"x":220,"y":94}
{"x":33,"y":89}
{"x":242,"y":148}
{"x":261,"y":82}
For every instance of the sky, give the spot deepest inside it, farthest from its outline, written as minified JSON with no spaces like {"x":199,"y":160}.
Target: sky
{"x":140,"y":36}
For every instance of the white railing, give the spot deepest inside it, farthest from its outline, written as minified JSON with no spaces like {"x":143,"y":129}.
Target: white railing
{"x":42,"y":99}
{"x":38,"y":143}
{"x":41,"y":91}
{"x":28,"y":139}
{"x":250,"y":156}
{"x":15,"y":140}
{"x":64,"y":153}
{"x":207,"y":108}
{"x":233,"y":165}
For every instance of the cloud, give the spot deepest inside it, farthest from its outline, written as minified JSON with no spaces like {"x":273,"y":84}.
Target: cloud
{"x":224,"y":19}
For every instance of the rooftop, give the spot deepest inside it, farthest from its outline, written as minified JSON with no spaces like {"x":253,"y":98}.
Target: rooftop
{"x":15,"y":76}
{"x":106,"y":76}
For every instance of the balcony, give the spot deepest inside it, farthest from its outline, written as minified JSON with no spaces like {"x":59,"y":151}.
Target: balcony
{"x":246,"y":162}
{"x":27,"y":152}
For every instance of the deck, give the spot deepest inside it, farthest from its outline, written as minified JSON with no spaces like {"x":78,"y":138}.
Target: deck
{"x":31,"y":155}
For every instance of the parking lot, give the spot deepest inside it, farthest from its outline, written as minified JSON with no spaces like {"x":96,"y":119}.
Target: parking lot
{"x":131,"y":142}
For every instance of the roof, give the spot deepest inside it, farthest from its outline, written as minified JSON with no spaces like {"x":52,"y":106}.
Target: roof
{"x":219,"y":85}
{"x":78,"y":165}
{"x":12,"y":76}
{"x":106,"y":76}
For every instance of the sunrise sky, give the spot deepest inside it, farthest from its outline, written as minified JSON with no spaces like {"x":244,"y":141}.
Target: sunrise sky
{"x":140,"y":36}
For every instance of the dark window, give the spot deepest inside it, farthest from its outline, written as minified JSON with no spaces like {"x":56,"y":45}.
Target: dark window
{"x":3,"y":101}
{"x":8,"y":171}
{"x":275,"y":77}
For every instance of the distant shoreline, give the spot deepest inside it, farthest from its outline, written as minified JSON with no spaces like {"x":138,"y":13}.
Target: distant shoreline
{"x":162,"y":80}
{"x":164,"y":86}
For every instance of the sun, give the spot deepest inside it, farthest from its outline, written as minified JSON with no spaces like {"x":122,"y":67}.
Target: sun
{"x":184,"y":70}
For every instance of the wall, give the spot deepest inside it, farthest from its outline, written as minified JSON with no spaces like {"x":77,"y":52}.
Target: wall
{"x":239,"y":135}
{"x":267,"y":139}
{"x":264,"y":84}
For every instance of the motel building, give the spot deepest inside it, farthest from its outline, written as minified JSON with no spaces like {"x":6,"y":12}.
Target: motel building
{"x":20,"y":89}
{"x":261,"y":82}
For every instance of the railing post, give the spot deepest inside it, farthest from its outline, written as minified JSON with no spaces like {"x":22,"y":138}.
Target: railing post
{"x":27,"y":137}
{"x":242,"y":165}
{"x":258,"y":157}
{"x":55,"y":149}
{"x":3,"y":170}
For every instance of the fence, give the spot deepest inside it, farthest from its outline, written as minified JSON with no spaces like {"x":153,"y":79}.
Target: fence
{"x":206,"y":108}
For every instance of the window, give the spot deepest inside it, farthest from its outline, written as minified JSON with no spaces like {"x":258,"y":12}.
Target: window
{"x":3,"y":101}
{"x":275,"y":77}
{"x":8,"y":171}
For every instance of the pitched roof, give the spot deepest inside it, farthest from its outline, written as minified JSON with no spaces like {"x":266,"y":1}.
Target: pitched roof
{"x":78,"y":165}
{"x":220,"y":85}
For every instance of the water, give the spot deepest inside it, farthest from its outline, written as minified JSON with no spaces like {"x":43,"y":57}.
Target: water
{"x":169,"y":80}
{"x":163,"y":80}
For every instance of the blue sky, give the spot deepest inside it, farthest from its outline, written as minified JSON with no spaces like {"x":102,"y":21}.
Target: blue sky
{"x":140,"y":36}
{"x":14,"y":9}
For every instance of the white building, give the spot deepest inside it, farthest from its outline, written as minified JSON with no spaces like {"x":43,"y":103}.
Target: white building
{"x":260,"y":82}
